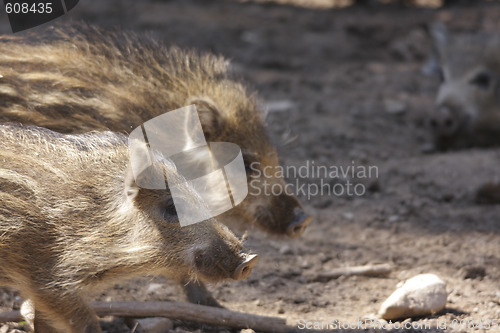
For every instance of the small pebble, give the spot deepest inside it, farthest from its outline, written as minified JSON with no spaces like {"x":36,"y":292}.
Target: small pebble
{"x":286,"y":249}
{"x":247,"y":330}
{"x":348,"y":216}
{"x":393,"y":218}
{"x":421,"y":295}
{"x":279,"y":106}
{"x":395,"y":107}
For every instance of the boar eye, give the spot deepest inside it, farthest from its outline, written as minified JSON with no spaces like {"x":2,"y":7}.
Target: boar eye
{"x":482,"y":80}
{"x":168,"y":210}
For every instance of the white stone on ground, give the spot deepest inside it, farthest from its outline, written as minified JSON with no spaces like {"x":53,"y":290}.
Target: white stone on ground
{"x":421,"y":295}
{"x":393,"y":106}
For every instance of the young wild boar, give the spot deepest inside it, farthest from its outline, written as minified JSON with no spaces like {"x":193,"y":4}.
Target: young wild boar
{"x":467,"y":111}
{"x":72,"y":219}
{"x":75,"y":79}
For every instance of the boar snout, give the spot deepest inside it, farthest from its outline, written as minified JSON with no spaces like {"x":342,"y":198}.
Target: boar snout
{"x":296,"y":219}
{"x":284,"y":216}
{"x":444,"y":122}
{"x":299,"y":224}
{"x":220,"y":262}
{"x":245,"y":268}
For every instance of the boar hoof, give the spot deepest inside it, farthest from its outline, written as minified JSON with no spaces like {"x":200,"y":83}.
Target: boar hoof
{"x":197,"y":293}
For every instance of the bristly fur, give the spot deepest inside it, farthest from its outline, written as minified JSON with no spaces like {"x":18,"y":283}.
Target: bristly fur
{"x":73,"y":79}
{"x":67,"y":224}
{"x":79,"y":78}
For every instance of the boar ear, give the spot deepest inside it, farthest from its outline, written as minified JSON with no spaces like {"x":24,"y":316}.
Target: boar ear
{"x":142,"y":170}
{"x":138,"y":160}
{"x":131,"y":187}
{"x":440,"y":38}
{"x":210,"y":116}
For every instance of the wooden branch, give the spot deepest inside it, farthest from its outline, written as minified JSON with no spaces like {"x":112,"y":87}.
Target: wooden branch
{"x":368,"y":270}
{"x":10,"y":316}
{"x":182,"y":311}
{"x":191,"y":312}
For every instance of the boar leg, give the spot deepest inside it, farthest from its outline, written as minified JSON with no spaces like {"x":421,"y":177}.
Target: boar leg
{"x":56,"y":312}
{"x":197,"y":293}
{"x":41,"y":325}
{"x":34,"y":319}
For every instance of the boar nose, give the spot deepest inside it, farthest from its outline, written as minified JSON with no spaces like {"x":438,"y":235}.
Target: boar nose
{"x":444,"y":122}
{"x":298,"y":225}
{"x":245,"y":268}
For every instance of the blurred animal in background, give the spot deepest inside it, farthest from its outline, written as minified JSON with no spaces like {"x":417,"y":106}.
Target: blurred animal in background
{"x":467,"y":107}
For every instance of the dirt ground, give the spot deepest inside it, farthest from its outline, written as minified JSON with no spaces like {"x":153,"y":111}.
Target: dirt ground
{"x":343,"y":87}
